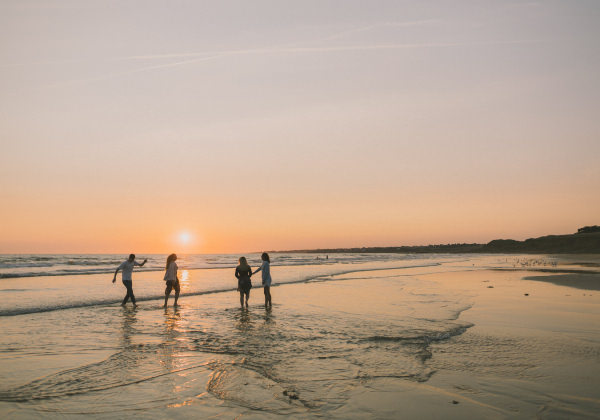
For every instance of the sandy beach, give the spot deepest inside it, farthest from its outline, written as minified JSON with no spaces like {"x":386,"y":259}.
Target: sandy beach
{"x":585,"y":281}
{"x":452,"y":340}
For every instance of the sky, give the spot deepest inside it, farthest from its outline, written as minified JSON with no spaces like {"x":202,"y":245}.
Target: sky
{"x":239,"y":126}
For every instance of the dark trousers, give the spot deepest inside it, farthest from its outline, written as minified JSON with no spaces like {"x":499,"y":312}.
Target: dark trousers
{"x":129,"y":286}
{"x":172,"y":284}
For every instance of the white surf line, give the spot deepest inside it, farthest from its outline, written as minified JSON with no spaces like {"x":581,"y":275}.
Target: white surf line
{"x":10,"y":276}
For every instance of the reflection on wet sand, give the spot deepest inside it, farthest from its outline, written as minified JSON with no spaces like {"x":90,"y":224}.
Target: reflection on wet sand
{"x":268,"y":316}
{"x":168,"y":350}
{"x":243,"y":320}
{"x":127,"y":326}
{"x":184,"y":280}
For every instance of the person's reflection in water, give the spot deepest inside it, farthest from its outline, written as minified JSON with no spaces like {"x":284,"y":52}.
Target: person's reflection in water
{"x":171,"y":331}
{"x":127,"y":328}
{"x":129,"y":353}
{"x":168,"y":352}
{"x":269,"y":316}
{"x":244,"y":321}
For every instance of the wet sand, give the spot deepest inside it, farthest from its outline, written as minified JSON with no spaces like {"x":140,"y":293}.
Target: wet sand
{"x":451,"y":341}
{"x":578,"y":281}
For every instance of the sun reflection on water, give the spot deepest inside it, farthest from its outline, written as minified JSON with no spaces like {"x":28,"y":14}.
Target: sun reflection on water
{"x":184,"y":281}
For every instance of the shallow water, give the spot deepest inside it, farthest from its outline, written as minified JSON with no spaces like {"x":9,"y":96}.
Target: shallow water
{"x":327,"y":342}
{"x":23,"y":295}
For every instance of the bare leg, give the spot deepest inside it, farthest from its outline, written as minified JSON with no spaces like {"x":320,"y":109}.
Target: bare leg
{"x":166,"y":299}
{"x":241,"y":299}
{"x":176,"y":297}
{"x":247,"y":297}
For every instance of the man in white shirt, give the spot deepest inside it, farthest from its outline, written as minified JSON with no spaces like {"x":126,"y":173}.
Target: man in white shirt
{"x":127,"y":270}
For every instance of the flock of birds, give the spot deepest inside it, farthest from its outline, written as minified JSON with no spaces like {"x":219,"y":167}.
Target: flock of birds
{"x":533,"y":262}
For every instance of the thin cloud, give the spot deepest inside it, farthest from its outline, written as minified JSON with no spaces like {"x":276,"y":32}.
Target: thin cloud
{"x":209,"y":56}
{"x":367,"y":28}
{"x":139,"y":70}
{"x":206,"y":55}
{"x":289,"y":47}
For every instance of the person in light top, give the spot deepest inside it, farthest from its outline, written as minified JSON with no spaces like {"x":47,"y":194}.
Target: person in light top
{"x":266,"y":277}
{"x":127,"y":270}
{"x":171,"y":279}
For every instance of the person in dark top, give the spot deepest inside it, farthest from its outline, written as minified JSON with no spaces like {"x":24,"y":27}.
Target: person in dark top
{"x":243,"y":272}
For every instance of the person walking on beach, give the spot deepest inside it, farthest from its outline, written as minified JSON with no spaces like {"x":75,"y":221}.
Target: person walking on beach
{"x":127,"y":270}
{"x":171,"y":279}
{"x":243,"y":272}
{"x":266,"y":277}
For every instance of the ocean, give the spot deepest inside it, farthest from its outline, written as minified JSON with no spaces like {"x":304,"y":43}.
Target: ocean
{"x":35,"y":283}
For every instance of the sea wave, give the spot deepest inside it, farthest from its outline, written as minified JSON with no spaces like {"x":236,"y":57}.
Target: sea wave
{"x":96,"y":301}
{"x":21,"y":266}
{"x":84,"y":272}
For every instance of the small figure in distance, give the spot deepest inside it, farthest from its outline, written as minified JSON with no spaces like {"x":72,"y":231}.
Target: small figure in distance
{"x":266,"y":277}
{"x":243,"y":272}
{"x":126,"y":277}
{"x":171,"y":279}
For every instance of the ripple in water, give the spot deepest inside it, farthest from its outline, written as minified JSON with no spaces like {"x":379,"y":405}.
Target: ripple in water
{"x":318,"y":343}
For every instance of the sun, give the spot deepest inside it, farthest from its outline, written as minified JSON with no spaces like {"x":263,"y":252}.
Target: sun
{"x":185,"y":238}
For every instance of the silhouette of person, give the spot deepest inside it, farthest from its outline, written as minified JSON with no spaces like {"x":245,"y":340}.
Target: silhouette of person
{"x":126,"y":268}
{"x":243,"y":272}
{"x":266,"y":277}
{"x":171,"y":279}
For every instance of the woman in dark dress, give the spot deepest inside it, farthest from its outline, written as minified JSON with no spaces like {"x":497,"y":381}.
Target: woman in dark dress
{"x":243,"y":272}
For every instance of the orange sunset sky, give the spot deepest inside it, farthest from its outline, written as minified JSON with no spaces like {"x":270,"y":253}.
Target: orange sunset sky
{"x":235,"y":126}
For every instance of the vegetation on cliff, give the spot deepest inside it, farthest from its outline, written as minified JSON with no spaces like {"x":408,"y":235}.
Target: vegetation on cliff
{"x":585,"y":241}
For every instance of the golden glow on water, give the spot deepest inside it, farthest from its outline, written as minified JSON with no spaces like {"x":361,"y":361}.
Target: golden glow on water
{"x":168,"y":357}
{"x":184,"y":280}
{"x":186,"y":402}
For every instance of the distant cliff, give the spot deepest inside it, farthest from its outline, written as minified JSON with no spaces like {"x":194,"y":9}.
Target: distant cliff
{"x":585,"y":241}
{"x":577,"y":244}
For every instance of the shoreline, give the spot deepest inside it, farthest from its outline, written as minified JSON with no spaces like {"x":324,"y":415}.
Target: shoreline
{"x":148,"y":285}
{"x":194,"y":282}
